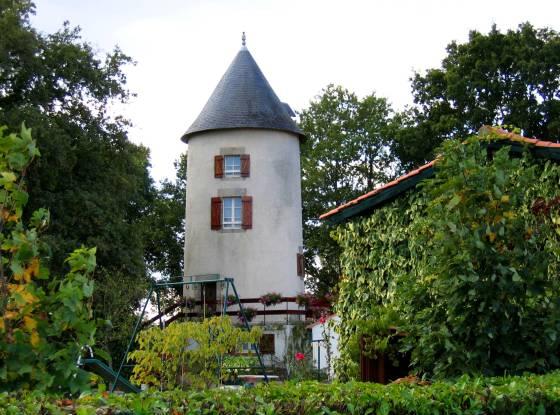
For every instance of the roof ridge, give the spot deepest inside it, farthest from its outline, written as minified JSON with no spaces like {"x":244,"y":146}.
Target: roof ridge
{"x":484,"y":130}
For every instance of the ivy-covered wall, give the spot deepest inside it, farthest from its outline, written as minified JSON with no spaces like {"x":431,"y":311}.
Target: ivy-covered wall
{"x":466,"y":264}
{"x":375,"y":257}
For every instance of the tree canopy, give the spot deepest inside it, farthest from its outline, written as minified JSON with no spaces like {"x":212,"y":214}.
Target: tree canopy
{"x":166,"y":219}
{"x":510,"y":78}
{"x":91,"y":178}
{"x":346,"y":153}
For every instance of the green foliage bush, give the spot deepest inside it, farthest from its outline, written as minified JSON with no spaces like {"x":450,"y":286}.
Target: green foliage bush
{"x":466,"y":262}
{"x":504,"y":396}
{"x":189,"y":354}
{"x":44,"y":320}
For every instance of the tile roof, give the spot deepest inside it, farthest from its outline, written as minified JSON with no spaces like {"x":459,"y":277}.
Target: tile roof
{"x":506,"y":135}
{"x":243,"y":99}
{"x":484,"y":131}
{"x":378,"y":190}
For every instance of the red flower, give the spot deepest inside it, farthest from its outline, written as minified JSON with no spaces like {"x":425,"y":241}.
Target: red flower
{"x":300,"y":356}
{"x":323,"y":319}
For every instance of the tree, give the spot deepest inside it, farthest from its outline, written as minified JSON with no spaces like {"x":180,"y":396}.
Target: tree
{"x":91,"y":178}
{"x":45,"y":320}
{"x":345,"y":153}
{"x":166,"y":220}
{"x":510,"y":78}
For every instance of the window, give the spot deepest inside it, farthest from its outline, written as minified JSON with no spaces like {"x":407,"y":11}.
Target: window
{"x":266,"y":343}
{"x":232,"y":166}
{"x":232,"y":213}
{"x":247,"y":348}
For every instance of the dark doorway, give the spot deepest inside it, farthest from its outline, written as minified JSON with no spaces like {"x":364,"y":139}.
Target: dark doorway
{"x":208,"y":298}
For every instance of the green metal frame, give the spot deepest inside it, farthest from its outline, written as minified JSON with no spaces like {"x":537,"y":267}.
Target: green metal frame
{"x":164,"y":285}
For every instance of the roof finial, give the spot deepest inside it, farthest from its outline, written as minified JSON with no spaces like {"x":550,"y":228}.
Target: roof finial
{"x":243,"y":39}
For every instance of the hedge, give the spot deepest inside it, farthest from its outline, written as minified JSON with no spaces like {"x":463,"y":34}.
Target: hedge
{"x":529,"y":394}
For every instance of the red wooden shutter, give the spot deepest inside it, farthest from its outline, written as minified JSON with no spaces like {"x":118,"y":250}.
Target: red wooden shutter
{"x":300,"y":265}
{"x":245,"y":165}
{"x":216,"y":214}
{"x":247,"y":212}
{"x":218,"y":167}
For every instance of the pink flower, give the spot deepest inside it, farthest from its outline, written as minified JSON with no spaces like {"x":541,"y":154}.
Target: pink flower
{"x":323,"y":319}
{"x":300,"y":356}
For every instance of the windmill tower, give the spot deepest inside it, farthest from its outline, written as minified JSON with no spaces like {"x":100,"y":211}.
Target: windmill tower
{"x":243,"y":210}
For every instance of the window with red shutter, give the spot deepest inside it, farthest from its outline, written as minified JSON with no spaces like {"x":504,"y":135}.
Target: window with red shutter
{"x":216,"y":213}
{"x":245,"y":165}
{"x":218,"y":167}
{"x":247,"y":212}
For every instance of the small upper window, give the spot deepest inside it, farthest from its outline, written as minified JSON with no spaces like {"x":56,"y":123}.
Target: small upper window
{"x":232,"y":213}
{"x":232,"y":166}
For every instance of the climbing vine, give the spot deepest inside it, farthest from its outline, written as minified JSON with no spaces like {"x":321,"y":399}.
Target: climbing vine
{"x":466,"y":264}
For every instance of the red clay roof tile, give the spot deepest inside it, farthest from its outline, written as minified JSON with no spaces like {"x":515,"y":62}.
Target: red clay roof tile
{"x":484,"y":130}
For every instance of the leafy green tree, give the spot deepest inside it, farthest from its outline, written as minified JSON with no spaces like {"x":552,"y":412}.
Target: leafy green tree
{"x":44,"y":320}
{"x":346,"y":153}
{"x":91,"y":178}
{"x":166,"y":222}
{"x":510,"y":78}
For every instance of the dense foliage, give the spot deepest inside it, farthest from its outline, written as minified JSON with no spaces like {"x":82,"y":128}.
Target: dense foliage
{"x":467,"y":396}
{"x":354,"y":144}
{"x":166,"y":221}
{"x":494,"y":78}
{"x":345,"y":153}
{"x":467,"y":264}
{"x":189,"y":354}
{"x":91,"y":178}
{"x":45,"y":319}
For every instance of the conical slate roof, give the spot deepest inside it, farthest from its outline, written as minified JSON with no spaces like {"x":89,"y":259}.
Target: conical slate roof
{"x":243,"y":99}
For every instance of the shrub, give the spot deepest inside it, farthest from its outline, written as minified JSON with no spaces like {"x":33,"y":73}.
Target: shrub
{"x":466,"y":396}
{"x":44,"y":321}
{"x":189,"y":354}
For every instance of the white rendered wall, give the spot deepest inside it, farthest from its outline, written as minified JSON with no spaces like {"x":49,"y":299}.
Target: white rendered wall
{"x":322,"y":332}
{"x":261,"y":259}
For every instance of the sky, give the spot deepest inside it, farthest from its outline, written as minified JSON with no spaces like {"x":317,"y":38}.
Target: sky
{"x":183,"y":47}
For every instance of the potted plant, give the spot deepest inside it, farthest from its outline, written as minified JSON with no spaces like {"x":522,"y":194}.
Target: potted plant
{"x":247,"y":314}
{"x":271,"y":299}
{"x":303,"y":299}
{"x":231,"y":300}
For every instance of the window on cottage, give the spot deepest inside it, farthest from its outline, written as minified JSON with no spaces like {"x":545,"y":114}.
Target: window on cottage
{"x":232,"y":166}
{"x":231,"y":213}
{"x":247,"y":348}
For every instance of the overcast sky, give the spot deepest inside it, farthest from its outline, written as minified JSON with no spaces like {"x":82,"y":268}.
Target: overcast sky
{"x":182,"y":48}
